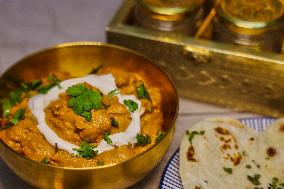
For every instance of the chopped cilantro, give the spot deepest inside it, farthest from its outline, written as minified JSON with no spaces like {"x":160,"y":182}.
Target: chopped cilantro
{"x":160,"y":136}
{"x":143,"y":140}
{"x":84,"y":100}
{"x":228,"y":170}
{"x":76,"y":90}
{"x":18,"y":116}
{"x":45,"y":88}
{"x":53,"y":81}
{"x":113,"y":93}
{"x":248,"y":166}
{"x":45,"y":161}
{"x":142,"y":92}
{"x":132,"y":105}
{"x":275,"y":184}
{"x":254,"y":179}
{"x":192,"y":134}
{"x":106,"y":138}
{"x":6,"y":106}
{"x":15,"y":96}
{"x":31,"y":86}
{"x":86,"y":150}
{"x":114,"y":123}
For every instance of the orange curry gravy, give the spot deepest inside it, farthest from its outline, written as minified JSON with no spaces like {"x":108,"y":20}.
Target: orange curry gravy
{"x":25,"y":138}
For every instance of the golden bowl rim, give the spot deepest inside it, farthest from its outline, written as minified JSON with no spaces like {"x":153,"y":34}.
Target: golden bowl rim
{"x":96,"y":44}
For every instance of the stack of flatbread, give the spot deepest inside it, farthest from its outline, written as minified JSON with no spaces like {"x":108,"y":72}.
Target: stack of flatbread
{"x":222,"y":153}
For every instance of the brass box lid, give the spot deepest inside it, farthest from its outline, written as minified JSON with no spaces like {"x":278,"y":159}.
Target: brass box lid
{"x":204,"y":70}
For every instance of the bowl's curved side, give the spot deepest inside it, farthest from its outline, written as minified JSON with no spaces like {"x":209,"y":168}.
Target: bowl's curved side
{"x":118,"y":176}
{"x":80,"y":59}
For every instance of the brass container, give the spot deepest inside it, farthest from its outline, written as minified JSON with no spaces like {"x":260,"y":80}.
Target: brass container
{"x":179,"y":16}
{"x":79,"y":59}
{"x":255,"y":24}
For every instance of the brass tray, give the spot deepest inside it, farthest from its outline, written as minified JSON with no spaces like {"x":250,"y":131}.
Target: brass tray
{"x":217,"y":73}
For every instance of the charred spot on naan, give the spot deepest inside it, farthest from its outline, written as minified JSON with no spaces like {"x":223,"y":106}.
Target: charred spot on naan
{"x":190,"y":154}
{"x":271,"y":152}
{"x":229,"y":145}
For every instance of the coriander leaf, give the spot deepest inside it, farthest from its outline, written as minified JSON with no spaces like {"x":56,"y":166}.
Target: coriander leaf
{"x":87,"y":115}
{"x":15,"y":96}
{"x":76,"y":90}
{"x":84,"y":100}
{"x":106,"y":138}
{"x":31,"y":86}
{"x":228,"y":170}
{"x":143,"y":140}
{"x":160,"y":136}
{"x":142,"y":92}
{"x":132,"y":105}
{"x":275,"y":184}
{"x":86,"y":150}
{"x":254,"y":179}
{"x":114,"y":123}
{"x":35,"y":84}
{"x":6,"y":106}
{"x":113,"y":93}
{"x":192,"y":134}
{"x":95,"y":98}
{"x":45,"y":161}
{"x":53,"y":81}
{"x":45,"y":88}
{"x":248,"y":166}
{"x":18,"y":116}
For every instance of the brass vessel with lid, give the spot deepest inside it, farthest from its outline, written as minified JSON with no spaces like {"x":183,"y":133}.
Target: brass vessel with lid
{"x":169,"y":15}
{"x":254,"y":23}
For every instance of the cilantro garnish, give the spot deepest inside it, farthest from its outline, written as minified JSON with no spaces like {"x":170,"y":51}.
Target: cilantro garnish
{"x":275,"y":184}
{"x":86,"y":150}
{"x":84,"y":100}
{"x":18,"y":116}
{"x":31,"y":86}
{"x":45,"y":161}
{"x":192,"y":134}
{"x":106,"y":138}
{"x":248,"y":166}
{"x":113,"y":93}
{"x":228,"y":170}
{"x":132,"y":105}
{"x":114,"y":123}
{"x":6,"y":106}
{"x":160,"y":136}
{"x":53,"y":81}
{"x":142,"y":92}
{"x":254,"y":179}
{"x":143,"y":140}
{"x":15,"y":96}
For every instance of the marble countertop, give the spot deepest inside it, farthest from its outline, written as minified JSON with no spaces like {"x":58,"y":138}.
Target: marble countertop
{"x":30,"y":25}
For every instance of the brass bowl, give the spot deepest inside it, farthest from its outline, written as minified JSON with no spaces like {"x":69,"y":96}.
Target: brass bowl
{"x":79,"y":59}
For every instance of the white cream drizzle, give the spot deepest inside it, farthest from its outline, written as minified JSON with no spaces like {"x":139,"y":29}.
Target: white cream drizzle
{"x":105,"y":83}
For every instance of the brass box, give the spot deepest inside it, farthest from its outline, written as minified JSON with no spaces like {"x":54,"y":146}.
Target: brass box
{"x":208,"y":71}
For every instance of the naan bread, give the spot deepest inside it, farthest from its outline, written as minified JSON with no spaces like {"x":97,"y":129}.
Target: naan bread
{"x":225,"y":154}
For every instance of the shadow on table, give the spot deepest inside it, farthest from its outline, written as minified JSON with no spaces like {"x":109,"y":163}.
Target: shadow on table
{"x":9,"y":180}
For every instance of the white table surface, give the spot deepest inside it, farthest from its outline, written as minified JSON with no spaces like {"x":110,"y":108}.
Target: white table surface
{"x":29,"y":25}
